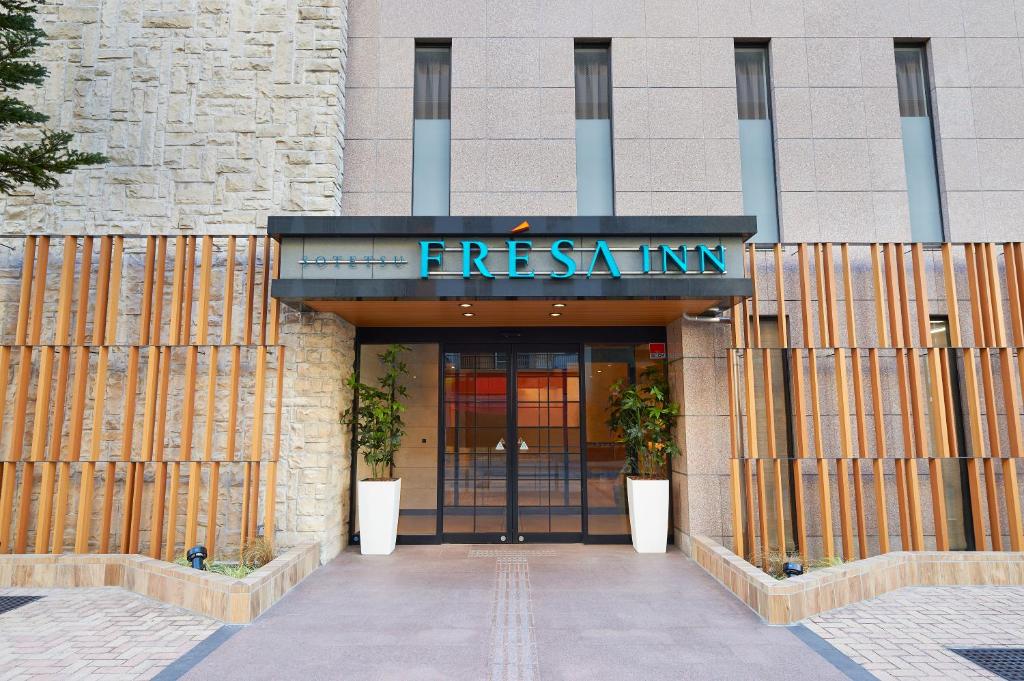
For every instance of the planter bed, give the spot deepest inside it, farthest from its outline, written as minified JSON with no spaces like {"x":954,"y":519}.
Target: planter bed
{"x":235,"y":601}
{"x":791,"y":600}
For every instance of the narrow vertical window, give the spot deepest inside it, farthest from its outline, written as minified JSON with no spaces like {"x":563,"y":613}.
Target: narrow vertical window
{"x":757,"y":143}
{"x":955,"y":474}
{"x":918,"y":143}
{"x":594,"y":185}
{"x":432,"y":131}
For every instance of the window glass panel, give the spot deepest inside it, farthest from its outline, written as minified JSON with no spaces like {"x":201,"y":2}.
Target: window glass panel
{"x":777,"y":373}
{"x":607,"y":513}
{"x":592,"y":83}
{"x":432,"y":91}
{"x":757,"y":143}
{"x":918,"y":144}
{"x":954,"y":470}
{"x":910,"y":82}
{"x":752,"y":83}
{"x":416,"y":458}
{"x":594,"y":185}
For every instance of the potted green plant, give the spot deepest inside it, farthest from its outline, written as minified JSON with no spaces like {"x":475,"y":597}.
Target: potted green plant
{"x":376,"y":418}
{"x":642,"y":415}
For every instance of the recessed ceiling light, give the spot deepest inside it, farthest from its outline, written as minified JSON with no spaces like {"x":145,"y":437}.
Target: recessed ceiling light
{"x":558,"y":305}
{"x":465,"y":304}
{"x":467,"y":314}
{"x":556,"y":314}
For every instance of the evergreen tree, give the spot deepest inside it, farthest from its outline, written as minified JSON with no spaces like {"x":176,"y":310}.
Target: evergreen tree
{"x":41,"y":162}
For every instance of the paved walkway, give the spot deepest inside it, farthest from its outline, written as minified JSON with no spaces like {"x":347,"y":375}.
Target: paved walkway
{"x":482,"y":613}
{"x":108,"y":633}
{"x":906,"y":634}
{"x":543,"y":612}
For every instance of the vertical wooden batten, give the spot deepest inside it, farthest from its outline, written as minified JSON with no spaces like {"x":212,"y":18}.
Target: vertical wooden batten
{"x":906,"y":372}
{"x":94,"y":409}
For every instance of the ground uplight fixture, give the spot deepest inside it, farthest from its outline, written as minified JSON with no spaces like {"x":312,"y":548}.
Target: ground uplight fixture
{"x":196,"y":555}
{"x":792,"y":569}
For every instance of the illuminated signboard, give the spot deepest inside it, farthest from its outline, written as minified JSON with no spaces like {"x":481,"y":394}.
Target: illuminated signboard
{"x":601,"y":258}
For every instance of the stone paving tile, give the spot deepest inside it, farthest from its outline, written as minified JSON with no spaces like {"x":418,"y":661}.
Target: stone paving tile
{"x":906,"y":634}
{"x":106,"y":633}
{"x":551,"y":613}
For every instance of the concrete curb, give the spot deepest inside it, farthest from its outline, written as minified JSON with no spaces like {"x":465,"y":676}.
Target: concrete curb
{"x":236,"y":601}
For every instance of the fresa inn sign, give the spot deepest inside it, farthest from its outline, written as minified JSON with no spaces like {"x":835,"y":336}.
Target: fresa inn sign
{"x":424,"y":258}
{"x":563,"y":259}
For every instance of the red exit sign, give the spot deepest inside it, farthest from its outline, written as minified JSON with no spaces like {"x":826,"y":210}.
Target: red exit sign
{"x":657,"y":350}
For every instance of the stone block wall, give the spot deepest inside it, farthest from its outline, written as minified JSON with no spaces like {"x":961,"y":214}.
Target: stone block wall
{"x":313,"y":476}
{"x":214,"y":114}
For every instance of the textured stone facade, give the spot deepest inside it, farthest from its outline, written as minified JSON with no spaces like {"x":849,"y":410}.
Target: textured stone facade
{"x":214,"y":114}
{"x":314,"y":473}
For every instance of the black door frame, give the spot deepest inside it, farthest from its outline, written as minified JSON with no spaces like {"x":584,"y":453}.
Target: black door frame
{"x":513,"y":534}
{"x":477,"y":537}
{"x":569,"y":336}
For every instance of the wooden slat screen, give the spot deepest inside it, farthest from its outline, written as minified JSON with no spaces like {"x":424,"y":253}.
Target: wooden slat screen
{"x":881,"y":421}
{"x":140,"y":393}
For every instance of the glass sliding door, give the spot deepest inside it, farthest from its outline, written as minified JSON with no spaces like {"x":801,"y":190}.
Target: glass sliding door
{"x":507,"y":442}
{"x":548,"y":494}
{"x":513,"y":456}
{"x":476,"y":449}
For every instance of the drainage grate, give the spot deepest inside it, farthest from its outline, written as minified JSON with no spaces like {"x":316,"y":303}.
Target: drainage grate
{"x":1006,"y":663}
{"x":8,"y":603}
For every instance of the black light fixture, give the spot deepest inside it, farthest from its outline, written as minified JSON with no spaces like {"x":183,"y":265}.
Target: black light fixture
{"x":792,"y":569}
{"x":197,"y":555}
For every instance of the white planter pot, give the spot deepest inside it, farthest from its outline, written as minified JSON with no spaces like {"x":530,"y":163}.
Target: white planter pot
{"x":648,"y":514}
{"x":378,"y":516}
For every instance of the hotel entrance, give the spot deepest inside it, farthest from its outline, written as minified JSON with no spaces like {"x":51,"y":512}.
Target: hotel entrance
{"x":507,"y":438}
{"x":512,"y":444}
{"x":515,"y":329}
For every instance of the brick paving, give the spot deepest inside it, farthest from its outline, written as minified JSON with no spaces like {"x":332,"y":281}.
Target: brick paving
{"x":906,"y":634}
{"x":565,"y":613}
{"x":104,"y":633}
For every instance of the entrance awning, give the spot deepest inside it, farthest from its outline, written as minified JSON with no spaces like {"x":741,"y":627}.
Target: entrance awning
{"x":511,"y":271}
